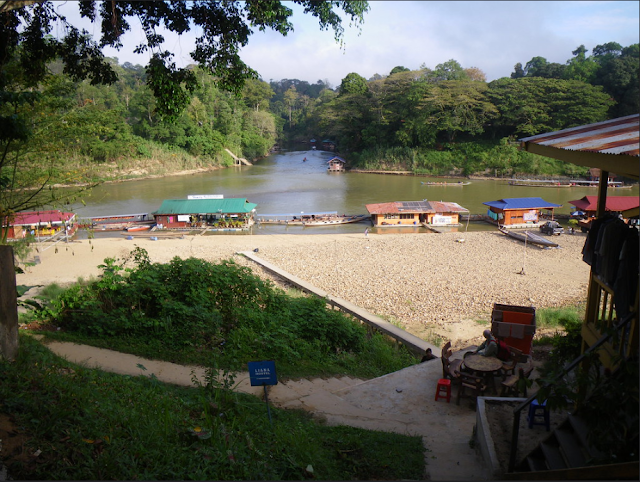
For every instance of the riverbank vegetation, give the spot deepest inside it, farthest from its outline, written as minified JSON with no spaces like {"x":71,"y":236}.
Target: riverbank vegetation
{"x":450,"y":121}
{"x":442,"y":121}
{"x":84,"y":424}
{"x":195,"y":312}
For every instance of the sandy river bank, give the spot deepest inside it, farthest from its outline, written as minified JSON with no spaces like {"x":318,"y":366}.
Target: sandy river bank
{"x":432,"y":285}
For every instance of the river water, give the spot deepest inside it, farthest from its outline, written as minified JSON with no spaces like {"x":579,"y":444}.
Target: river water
{"x":283,"y":183}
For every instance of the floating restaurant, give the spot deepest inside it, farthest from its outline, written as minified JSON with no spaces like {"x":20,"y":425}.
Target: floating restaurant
{"x":232,"y":213}
{"x":413,"y":213}
{"x":38,"y":223}
{"x":519,"y":212}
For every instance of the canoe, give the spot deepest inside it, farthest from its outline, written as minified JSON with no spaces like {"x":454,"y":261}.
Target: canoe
{"x":529,"y":237}
{"x":445,"y":183}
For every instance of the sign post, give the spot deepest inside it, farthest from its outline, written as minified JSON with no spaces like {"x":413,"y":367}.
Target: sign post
{"x":263,"y":373}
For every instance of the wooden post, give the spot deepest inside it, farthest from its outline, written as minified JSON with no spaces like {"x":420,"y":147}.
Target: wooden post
{"x":8,"y":305}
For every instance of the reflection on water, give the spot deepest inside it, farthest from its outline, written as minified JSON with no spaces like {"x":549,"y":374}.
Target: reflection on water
{"x":284,"y":183}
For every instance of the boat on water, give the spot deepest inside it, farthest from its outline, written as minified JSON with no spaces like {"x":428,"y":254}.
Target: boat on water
{"x":310,"y":219}
{"x":529,"y":237}
{"x":446,"y":183}
{"x":138,"y":227}
{"x":570,"y":183}
{"x":117,"y":222}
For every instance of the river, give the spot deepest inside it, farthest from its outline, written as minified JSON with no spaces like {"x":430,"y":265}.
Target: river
{"x":283,"y":183}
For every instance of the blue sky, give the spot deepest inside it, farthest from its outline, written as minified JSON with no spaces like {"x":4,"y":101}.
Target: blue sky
{"x":492,"y":36}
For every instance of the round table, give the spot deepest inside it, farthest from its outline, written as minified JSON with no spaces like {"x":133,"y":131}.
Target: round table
{"x":479,"y":363}
{"x":487,"y":366}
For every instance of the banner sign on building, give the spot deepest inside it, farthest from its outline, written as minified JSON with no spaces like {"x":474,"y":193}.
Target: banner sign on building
{"x":205,"y":196}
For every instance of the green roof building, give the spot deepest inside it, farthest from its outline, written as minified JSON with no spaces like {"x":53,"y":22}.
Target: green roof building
{"x":205,"y":213}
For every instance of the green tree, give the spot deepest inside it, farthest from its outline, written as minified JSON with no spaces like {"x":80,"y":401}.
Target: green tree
{"x":224,"y":27}
{"x":449,"y":70}
{"x":618,"y":75}
{"x":256,"y":94}
{"x":581,"y":67}
{"x":533,"y":105}
{"x":397,"y":69}
{"x":354,"y":84}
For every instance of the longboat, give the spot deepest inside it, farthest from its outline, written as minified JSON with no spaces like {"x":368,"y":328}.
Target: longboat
{"x":310,"y":219}
{"x":119,"y":222}
{"x":445,"y":183}
{"x":570,"y":183}
{"x":529,"y":237}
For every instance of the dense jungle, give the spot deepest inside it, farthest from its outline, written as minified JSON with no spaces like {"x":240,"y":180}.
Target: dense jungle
{"x":443,"y":121}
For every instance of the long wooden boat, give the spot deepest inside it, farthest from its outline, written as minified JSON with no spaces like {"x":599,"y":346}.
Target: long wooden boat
{"x":529,"y":237}
{"x":570,"y":183}
{"x":446,"y":183}
{"x":310,"y":219}
{"x":138,"y":227}
{"x":121,"y":218}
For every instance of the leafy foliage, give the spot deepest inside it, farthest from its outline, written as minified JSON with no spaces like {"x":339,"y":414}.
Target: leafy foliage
{"x":102,"y":426}
{"x":192,"y":306}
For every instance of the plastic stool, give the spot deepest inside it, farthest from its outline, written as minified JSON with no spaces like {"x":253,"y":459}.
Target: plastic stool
{"x":443,"y":389}
{"x":534,"y":410}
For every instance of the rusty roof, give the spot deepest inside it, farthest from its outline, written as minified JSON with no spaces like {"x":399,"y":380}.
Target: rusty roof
{"x":610,"y":145}
{"x":616,"y":136}
{"x":447,"y":207}
{"x":425,"y":206}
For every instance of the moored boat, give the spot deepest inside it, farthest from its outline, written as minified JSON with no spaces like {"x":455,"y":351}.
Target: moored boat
{"x":529,"y":237}
{"x":310,"y":219}
{"x":445,"y":183}
{"x":138,"y":227}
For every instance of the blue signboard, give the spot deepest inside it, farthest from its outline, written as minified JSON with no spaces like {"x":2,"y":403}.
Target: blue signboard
{"x":263,"y":373}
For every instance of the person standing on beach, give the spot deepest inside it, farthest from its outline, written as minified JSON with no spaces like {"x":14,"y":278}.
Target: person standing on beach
{"x":366,"y":232}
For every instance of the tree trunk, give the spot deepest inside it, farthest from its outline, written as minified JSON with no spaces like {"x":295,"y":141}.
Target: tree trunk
{"x":8,"y":305}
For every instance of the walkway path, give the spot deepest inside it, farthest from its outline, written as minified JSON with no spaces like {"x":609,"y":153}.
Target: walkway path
{"x":401,"y":402}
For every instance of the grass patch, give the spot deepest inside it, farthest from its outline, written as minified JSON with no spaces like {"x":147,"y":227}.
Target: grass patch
{"x":85,"y":424}
{"x":559,"y":317}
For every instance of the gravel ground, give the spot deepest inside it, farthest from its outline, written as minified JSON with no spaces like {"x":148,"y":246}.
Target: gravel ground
{"x":432,"y":285}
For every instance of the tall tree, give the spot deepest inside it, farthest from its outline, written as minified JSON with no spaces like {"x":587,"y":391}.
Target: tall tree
{"x":224,"y":27}
{"x":581,"y":67}
{"x":354,"y":84}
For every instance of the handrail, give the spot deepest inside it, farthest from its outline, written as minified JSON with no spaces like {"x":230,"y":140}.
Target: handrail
{"x":516,"y":411}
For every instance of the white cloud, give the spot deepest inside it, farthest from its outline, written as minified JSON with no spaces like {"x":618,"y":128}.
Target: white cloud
{"x":492,"y":36}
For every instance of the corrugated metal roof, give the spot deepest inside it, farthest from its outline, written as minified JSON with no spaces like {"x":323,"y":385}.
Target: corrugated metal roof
{"x":613,"y":203}
{"x":339,"y":159}
{"x":205,"y":206}
{"x":447,"y":207}
{"x":616,"y":136}
{"x":397,"y":207}
{"x":29,"y":218}
{"x":522,"y":203}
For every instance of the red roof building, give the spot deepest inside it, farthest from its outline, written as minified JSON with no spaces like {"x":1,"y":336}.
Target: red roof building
{"x":40,"y":222}
{"x":414,"y":213}
{"x":616,"y":204}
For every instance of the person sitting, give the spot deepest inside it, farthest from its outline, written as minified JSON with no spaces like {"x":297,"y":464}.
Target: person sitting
{"x":428,"y":355}
{"x":490,"y":345}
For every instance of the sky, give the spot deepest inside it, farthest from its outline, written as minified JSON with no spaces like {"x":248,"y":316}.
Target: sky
{"x":491,"y":36}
